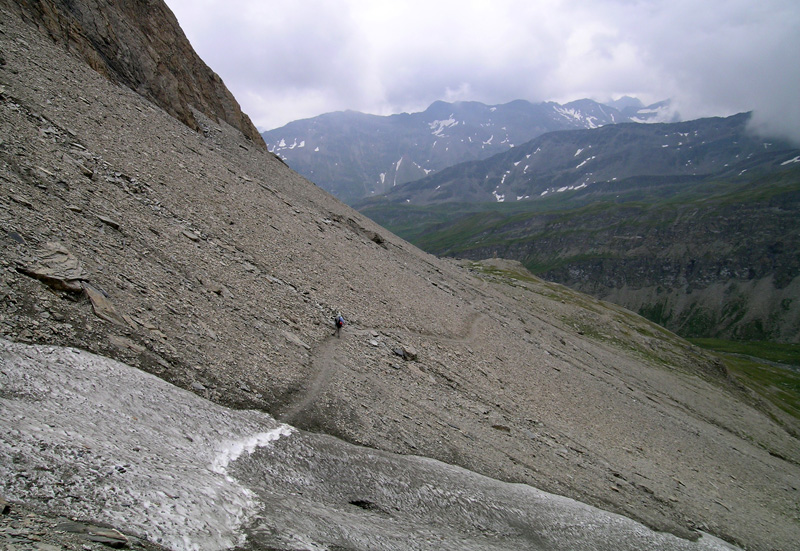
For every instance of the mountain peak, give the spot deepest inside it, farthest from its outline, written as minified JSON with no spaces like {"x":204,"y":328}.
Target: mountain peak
{"x":359,"y":158}
{"x":626,"y":103}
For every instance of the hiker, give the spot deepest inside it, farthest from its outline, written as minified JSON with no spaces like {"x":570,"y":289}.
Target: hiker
{"x":339,"y":321}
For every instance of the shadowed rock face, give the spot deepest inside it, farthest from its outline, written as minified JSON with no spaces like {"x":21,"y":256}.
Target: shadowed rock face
{"x":218,"y":269}
{"x":141,"y":45}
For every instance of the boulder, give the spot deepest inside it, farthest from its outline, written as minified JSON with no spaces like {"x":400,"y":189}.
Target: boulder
{"x":407,"y":352}
{"x":102,"y":306}
{"x":57,"y":268}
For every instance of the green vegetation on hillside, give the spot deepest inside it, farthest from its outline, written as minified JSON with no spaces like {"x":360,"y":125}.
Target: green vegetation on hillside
{"x":782,"y":353}
{"x":455,"y":229}
{"x":670,"y":238}
{"x":763,"y":367}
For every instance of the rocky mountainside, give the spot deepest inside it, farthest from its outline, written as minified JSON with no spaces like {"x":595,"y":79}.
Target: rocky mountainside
{"x":354,"y":155}
{"x":140,"y":45}
{"x":199,"y":258}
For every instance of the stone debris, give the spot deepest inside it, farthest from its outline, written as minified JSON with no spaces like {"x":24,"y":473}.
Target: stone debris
{"x":157,"y":178}
{"x":407,"y":352}
{"x":109,"y":221}
{"x":108,"y":536}
{"x":294,"y":339}
{"x":102,"y":306}
{"x":191,"y":235}
{"x":16,"y":237}
{"x":57,"y":268}
{"x":23,"y":528}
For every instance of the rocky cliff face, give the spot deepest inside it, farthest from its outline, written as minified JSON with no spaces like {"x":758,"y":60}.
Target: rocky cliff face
{"x":207,"y":262}
{"x":705,"y":269}
{"x":140,"y":45}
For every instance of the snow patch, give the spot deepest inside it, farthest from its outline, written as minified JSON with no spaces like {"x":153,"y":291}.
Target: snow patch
{"x":437,"y":127}
{"x":232,"y":449}
{"x":282,"y":145}
{"x":115,"y":436}
{"x":573,"y":114}
{"x":396,"y":170}
{"x":567,"y":188}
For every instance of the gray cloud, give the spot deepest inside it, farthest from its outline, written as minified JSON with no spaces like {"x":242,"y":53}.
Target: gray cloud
{"x":291,"y":60}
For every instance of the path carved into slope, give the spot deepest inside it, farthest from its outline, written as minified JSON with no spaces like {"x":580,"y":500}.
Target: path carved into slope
{"x":325,"y":365}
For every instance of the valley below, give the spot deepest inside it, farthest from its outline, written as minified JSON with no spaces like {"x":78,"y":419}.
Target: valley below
{"x":703,"y":257}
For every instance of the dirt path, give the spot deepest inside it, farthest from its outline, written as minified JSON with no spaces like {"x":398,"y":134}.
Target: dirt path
{"x":324,"y":363}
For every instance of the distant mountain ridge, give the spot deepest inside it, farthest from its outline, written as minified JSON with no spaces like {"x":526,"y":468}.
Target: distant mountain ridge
{"x":634,"y":109}
{"x":354,"y":155}
{"x":563,"y":161}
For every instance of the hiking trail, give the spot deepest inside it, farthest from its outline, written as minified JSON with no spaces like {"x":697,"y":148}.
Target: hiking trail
{"x":325,"y":364}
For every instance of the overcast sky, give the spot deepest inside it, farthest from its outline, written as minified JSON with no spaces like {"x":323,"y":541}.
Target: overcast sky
{"x":297,"y":59}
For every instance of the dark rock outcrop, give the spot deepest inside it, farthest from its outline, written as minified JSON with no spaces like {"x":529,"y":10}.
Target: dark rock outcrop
{"x":141,"y":45}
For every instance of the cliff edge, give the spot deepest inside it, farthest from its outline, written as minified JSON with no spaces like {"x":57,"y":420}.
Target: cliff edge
{"x":141,"y":45}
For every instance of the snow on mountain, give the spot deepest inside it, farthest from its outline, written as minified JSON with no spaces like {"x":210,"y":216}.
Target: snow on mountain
{"x":438,"y":126}
{"x":573,"y":114}
{"x":354,"y":155}
{"x":574,"y":160}
{"x":107,"y":434}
